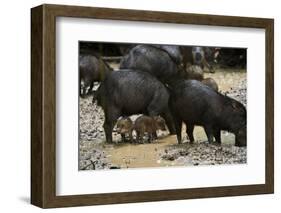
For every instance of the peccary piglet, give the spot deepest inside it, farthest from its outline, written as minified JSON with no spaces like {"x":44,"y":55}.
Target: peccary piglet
{"x":211,"y":83}
{"x":146,"y":124}
{"x":124,"y":127}
{"x":160,"y":123}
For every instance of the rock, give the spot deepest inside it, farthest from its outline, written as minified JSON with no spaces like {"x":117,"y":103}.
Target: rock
{"x":205,"y":154}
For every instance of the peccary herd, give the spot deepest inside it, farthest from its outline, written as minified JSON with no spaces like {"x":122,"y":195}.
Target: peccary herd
{"x":159,"y":80}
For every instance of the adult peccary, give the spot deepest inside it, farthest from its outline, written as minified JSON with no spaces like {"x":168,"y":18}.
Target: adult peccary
{"x":193,"y":55}
{"x":125,"y":93}
{"x":91,"y":69}
{"x":194,"y":103}
{"x":161,"y":61}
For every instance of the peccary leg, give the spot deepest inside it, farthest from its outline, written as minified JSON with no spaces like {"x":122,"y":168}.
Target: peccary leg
{"x":154,"y":135}
{"x":241,"y":137}
{"x":108,"y":126}
{"x":189,"y":132}
{"x":84,"y":91}
{"x":131,"y":136}
{"x":91,"y":88}
{"x":137,"y":136}
{"x":111,"y":117}
{"x":80,"y":89}
{"x":178,"y":126}
{"x":141,"y":134}
{"x":169,"y":121}
{"x":209,"y":133}
{"x":83,"y":88}
{"x":123,"y":137}
{"x":207,"y":66}
{"x":218,"y":136}
{"x":150,"y":137}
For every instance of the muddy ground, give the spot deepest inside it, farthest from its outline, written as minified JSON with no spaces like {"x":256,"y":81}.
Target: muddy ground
{"x":95,"y":154}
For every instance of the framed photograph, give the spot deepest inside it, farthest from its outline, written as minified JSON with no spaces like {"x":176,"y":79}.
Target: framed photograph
{"x":137,"y":106}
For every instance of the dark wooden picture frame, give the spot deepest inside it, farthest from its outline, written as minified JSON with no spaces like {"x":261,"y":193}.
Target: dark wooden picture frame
{"x":43,"y":105}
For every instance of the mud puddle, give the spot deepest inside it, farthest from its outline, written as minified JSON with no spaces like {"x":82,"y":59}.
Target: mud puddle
{"x":150,"y":154}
